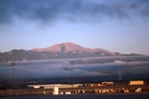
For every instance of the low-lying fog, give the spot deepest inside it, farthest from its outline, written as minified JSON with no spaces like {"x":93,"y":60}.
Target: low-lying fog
{"x":82,"y":67}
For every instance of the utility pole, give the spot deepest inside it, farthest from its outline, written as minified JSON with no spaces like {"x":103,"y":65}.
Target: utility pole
{"x":127,"y":70}
{"x":13,"y":75}
{"x":71,"y":62}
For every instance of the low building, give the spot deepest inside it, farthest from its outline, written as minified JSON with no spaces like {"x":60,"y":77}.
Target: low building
{"x":107,"y":83}
{"x":95,"y":85}
{"x":51,"y":86}
{"x":139,"y":82}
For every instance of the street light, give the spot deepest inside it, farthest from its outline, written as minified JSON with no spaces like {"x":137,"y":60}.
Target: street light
{"x":71,"y":62}
{"x":127,"y":69}
{"x":13,"y":74}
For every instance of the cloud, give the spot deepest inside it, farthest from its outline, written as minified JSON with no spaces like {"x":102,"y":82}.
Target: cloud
{"x":51,"y":10}
{"x":61,"y":68}
{"x":58,"y":67}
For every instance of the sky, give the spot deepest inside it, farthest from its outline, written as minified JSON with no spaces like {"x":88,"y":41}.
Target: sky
{"x":115,"y":25}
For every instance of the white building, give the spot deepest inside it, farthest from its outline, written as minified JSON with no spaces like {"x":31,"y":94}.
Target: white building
{"x":51,"y":86}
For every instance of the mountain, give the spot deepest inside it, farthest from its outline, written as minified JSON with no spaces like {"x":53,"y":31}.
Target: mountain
{"x":58,"y":51}
{"x":64,"y":47}
{"x":77,"y":50}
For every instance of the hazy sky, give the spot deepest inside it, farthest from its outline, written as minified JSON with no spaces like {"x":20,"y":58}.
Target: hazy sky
{"x":116,"y":25}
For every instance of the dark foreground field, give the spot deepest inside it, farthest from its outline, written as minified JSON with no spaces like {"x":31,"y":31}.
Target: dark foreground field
{"x":85,"y":96}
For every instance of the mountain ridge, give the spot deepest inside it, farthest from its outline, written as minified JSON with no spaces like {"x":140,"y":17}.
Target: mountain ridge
{"x":68,"y":46}
{"x":57,"y":51}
